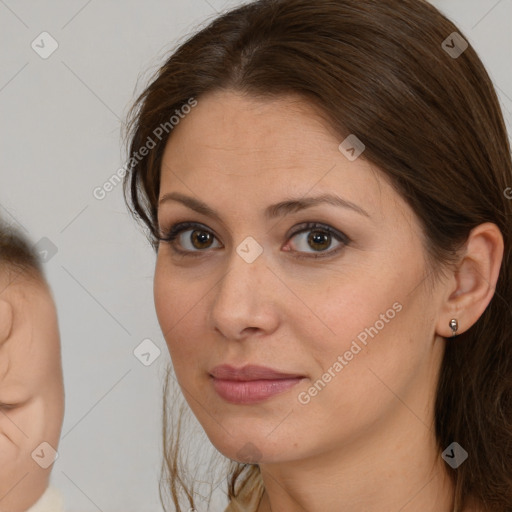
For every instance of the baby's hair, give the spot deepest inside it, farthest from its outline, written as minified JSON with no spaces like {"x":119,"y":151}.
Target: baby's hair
{"x":18,"y":257}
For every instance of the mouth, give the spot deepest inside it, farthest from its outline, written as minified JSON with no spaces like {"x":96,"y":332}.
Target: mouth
{"x":251,"y":384}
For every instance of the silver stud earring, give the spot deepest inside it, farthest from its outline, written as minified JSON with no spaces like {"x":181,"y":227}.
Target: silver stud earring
{"x":454,"y":325}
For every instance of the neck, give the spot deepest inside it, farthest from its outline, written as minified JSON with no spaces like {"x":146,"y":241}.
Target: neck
{"x":392,"y":467}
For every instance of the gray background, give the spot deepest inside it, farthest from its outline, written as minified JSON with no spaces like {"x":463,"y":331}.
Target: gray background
{"x":60,"y":139}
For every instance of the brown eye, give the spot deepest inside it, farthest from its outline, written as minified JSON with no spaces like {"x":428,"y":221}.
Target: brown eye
{"x":189,"y":237}
{"x":317,"y":238}
{"x":201,"y":239}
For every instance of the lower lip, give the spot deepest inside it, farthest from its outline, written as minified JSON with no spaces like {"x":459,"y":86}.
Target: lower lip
{"x":253,"y":391}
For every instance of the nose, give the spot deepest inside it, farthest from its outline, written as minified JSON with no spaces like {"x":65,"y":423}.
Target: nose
{"x":246,"y":299}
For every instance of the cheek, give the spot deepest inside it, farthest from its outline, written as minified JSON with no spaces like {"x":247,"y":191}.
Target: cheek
{"x":12,"y":458}
{"x":9,"y":452}
{"x":166,"y":295}
{"x":16,"y":429}
{"x":347,"y":312}
{"x":178,"y":308}
{"x":363,"y":334}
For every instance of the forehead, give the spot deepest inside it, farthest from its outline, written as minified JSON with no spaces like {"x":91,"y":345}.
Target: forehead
{"x":266,"y":149}
{"x":280,"y":133}
{"x":33,"y":345}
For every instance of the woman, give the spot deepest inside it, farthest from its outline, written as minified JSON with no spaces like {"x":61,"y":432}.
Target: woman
{"x":324,"y":185}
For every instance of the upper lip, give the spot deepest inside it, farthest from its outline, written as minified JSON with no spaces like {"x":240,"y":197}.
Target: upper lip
{"x":250,"y":372}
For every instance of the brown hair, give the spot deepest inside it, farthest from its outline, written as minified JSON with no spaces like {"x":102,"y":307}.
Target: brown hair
{"x":431,"y":122}
{"x":17,"y":255}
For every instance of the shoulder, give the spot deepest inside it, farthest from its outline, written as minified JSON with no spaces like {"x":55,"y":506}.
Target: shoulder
{"x":50,"y":501}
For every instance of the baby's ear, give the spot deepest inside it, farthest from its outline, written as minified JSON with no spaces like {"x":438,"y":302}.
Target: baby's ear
{"x":6,"y":319}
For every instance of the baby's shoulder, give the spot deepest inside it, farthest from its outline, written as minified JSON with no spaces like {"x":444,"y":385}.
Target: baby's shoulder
{"x":50,"y":501}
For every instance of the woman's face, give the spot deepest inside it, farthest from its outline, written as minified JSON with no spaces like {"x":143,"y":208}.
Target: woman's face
{"x":335,"y":297}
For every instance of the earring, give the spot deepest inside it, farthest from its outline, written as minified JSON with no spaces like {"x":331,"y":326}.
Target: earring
{"x":454,"y":325}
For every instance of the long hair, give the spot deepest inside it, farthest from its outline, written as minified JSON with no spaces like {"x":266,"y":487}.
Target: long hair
{"x":393,"y":73}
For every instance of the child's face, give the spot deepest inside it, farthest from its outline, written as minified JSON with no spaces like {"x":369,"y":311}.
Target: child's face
{"x":31,"y":391}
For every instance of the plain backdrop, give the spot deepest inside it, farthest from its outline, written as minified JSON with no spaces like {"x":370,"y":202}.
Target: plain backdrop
{"x":60,"y":139}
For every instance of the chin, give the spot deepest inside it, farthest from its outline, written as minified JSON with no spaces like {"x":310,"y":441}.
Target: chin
{"x":249,"y":445}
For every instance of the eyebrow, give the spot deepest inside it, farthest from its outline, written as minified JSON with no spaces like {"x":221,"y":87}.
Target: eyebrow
{"x":275,"y":210}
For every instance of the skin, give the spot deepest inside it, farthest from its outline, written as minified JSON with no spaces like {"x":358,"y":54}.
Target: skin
{"x":367,"y":439}
{"x":31,"y":382}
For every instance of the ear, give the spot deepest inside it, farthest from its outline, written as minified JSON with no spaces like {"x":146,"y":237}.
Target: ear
{"x":474,"y":281}
{"x":6,"y":319}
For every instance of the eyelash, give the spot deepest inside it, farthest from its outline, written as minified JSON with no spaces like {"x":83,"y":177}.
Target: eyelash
{"x":170,"y":236}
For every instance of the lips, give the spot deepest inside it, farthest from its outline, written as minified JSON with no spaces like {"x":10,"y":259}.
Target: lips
{"x":250,"y":372}
{"x":251,"y":384}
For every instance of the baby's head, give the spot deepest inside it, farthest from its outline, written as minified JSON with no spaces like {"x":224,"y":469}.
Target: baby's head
{"x":31,"y":381}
